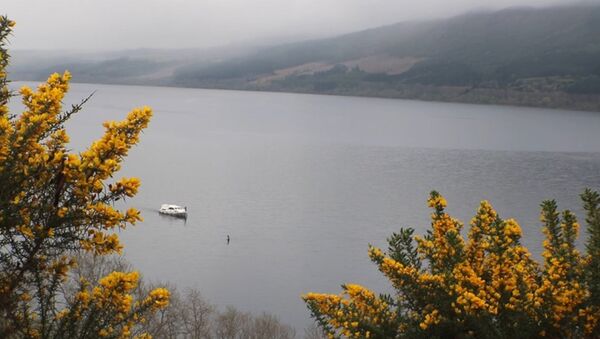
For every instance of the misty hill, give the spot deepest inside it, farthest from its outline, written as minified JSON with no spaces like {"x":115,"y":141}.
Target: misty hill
{"x":541,"y":57}
{"x":140,"y":66}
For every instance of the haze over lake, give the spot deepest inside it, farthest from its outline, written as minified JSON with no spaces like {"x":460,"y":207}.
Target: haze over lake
{"x":303,"y":183}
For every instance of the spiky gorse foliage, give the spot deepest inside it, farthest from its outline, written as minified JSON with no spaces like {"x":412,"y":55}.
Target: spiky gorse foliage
{"x":53,"y":202}
{"x":484,"y":286}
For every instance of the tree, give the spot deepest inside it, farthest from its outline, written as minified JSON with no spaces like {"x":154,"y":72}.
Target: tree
{"x":53,"y":204}
{"x":485,"y":286}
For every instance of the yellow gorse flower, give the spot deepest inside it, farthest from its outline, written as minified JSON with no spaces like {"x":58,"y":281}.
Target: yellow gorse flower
{"x":471,"y":285}
{"x":55,"y":202}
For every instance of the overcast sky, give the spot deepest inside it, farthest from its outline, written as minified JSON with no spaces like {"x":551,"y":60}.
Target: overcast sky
{"x":125,"y":24}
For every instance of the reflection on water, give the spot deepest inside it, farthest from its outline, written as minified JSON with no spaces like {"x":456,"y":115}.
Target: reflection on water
{"x":302,"y":184}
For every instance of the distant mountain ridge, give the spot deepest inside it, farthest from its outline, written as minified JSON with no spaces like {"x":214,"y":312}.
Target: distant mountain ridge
{"x":547,"y":57}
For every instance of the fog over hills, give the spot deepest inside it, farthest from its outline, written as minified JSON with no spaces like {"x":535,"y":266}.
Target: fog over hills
{"x":526,"y":56}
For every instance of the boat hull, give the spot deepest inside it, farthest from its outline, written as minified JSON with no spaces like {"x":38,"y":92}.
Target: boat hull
{"x":174,"y":214}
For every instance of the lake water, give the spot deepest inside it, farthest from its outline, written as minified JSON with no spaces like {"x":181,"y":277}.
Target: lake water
{"x":303,"y":183}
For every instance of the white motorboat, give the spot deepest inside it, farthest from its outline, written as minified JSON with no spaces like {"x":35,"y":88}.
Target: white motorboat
{"x":173,"y":210}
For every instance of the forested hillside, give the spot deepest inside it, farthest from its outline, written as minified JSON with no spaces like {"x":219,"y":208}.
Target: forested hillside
{"x":525,"y":56}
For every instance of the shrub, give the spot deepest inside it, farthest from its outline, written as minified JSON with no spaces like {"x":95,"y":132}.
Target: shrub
{"x":54,"y":203}
{"x":189,"y":314}
{"x":484,"y":286}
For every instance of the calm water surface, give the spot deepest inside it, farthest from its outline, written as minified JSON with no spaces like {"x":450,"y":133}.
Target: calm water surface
{"x":303,"y":183}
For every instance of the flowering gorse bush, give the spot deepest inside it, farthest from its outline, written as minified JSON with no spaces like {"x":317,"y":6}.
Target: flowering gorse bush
{"x":484,"y":286}
{"x":54,"y":203}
